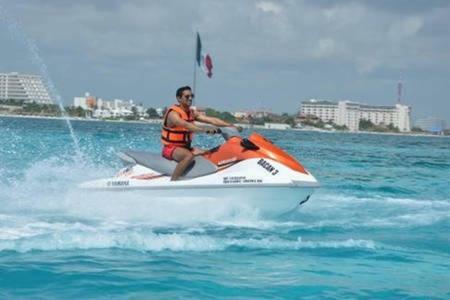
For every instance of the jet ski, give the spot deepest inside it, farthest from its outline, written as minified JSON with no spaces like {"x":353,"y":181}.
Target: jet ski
{"x":251,"y":171}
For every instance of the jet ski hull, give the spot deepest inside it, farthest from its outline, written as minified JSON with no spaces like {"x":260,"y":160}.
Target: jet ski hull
{"x":243,"y":171}
{"x":247,"y":183}
{"x":266,"y":200}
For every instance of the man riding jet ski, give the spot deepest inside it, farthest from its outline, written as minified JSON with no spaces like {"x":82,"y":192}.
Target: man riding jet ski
{"x":178,"y":129}
{"x":251,"y":171}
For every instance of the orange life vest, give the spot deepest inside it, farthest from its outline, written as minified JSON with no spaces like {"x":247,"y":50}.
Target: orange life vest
{"x":178,"y":136}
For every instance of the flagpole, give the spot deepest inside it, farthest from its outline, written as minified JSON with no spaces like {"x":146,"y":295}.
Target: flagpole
{"x":195,"y":81}
{"x":195,"y":68}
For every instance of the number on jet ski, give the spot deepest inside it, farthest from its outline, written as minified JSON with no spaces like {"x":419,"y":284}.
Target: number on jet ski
{"x":266,"y":165}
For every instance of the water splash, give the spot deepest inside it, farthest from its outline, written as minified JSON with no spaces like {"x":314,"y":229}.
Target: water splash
{"x":17,"y":32}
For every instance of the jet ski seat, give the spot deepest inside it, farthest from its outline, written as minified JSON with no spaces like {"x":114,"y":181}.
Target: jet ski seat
{"x":199,"y":167}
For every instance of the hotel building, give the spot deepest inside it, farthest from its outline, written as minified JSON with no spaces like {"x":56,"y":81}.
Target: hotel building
{"x":350,"y":113}
{"x":23,"y":87}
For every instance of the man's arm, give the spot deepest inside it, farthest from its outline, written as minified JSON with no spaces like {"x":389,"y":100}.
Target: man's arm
{"x":213,"y":121}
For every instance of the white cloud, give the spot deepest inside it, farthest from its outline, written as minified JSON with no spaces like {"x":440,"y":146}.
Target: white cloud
{"x":269,"y":7}
{"x":405,"y":28}
{"x":366,"y":64}
{"x":326,"y":48}
{"x":285,"y":31}
{"x":345,"y":14}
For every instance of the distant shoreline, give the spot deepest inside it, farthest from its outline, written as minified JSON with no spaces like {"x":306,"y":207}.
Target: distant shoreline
{"x":159,"y":121}
{"x":150,"y":121}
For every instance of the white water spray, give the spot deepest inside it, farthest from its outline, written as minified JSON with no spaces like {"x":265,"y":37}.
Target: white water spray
{"x":18,"y":33}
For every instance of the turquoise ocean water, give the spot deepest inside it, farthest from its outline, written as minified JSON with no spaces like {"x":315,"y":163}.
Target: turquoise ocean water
{"x":378,"y":228}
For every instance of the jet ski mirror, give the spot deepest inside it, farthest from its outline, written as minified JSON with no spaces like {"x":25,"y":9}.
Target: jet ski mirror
{"x":228,"y":132}
{"x":248,"y":145}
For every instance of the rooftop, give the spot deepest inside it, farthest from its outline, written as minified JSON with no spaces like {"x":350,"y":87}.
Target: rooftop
{"x":315,"y":101}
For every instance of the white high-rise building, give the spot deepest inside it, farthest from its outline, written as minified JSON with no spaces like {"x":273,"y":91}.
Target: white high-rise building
{"x":23,"y":87}
{"x":403,"y":113}
{"x":324,"y":110}
{"x":100,"y":103}
{"x":349,"y":113}
{"x":80,"y":102}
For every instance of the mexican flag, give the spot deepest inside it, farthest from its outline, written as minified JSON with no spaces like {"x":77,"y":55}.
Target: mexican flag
{"x":203,"y":59}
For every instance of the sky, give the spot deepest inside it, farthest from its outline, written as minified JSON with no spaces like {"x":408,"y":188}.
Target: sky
{"x":266,"y":54}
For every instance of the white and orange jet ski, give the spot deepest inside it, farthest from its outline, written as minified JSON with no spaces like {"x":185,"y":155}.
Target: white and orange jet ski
{"x":251,"y":170}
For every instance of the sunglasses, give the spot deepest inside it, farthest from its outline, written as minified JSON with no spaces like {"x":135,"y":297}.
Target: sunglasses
{"x":189,"y":96}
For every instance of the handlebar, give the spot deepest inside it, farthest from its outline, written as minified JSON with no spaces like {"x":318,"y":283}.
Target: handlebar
{"x":226,"y":132}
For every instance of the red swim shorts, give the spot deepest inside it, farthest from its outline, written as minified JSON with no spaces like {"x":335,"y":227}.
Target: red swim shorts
{"x":168,"y":150}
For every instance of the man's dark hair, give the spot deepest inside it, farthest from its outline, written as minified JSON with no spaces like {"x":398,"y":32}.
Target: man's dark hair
{"x":182,"y":89}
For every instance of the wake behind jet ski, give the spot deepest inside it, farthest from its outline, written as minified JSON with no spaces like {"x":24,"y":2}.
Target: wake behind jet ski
{"x":249,"y":170}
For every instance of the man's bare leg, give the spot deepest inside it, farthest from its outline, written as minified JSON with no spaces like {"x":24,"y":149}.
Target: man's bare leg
{"x":184,"y":158}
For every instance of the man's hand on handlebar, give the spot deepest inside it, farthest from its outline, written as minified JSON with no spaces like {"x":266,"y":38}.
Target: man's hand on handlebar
{"x":213,"y":130}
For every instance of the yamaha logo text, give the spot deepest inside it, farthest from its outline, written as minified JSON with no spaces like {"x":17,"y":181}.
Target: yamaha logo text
{"x":118,"y":183}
